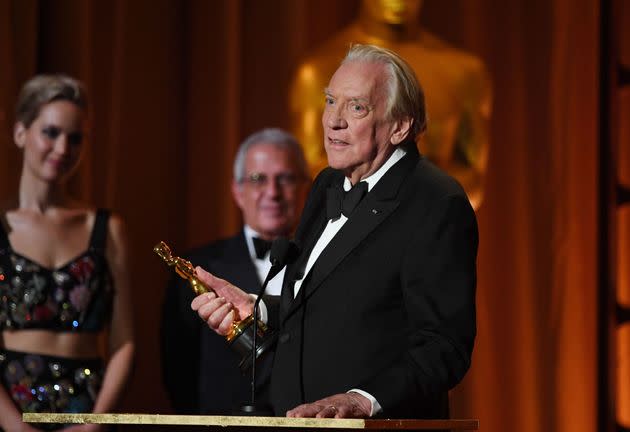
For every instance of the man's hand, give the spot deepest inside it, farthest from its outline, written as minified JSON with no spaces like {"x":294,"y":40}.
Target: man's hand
{"x":223,"y":306}
{"x":345,"y":405}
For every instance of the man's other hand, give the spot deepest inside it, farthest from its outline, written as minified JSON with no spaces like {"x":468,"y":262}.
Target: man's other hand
{"x":345,"y":405}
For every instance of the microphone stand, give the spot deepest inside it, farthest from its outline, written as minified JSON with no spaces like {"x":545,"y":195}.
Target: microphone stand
{"x":252,"y":409}
{"x":278,"y":256}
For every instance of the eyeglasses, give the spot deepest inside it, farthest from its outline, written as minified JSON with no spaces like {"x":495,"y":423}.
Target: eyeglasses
{"x":357,"y":108}
{"x":261,"y":180}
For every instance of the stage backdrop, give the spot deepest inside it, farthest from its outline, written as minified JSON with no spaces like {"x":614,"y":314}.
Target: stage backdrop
{"x":175,"y":85}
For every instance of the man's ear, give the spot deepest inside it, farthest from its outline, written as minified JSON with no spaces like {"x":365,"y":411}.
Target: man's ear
{"x":19,"y":134}
{"x":237,"y":194}
{"x":401,"y":130}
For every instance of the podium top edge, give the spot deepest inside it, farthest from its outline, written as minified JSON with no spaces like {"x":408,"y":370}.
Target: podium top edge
{"x":258,"y":422}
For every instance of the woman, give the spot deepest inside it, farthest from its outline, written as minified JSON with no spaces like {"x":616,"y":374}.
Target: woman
{"x":63,"y":275}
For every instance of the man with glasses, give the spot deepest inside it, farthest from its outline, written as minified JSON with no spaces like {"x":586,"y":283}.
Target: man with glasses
{"x":200,"y":370}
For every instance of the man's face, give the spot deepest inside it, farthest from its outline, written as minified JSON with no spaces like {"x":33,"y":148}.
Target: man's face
{"x":357,"y":135}
{"x":272,"y":193}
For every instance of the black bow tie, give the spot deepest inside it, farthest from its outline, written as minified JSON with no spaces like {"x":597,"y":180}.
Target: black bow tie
{"x":261,"y":247}
{"x":339,"y":201}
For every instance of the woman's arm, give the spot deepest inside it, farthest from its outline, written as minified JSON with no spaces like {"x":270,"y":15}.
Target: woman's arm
{"x":10,"y":416}
{"x":121,"y":342}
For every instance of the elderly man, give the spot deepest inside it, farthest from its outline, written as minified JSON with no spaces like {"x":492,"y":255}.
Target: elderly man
{"x":377,"y":315}
{"x":200,"y":371}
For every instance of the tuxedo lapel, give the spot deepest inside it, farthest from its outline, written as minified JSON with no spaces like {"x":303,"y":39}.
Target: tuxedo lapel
{"x":306,"y":239}
{"x":375,"y":208}
{"x":364,"y":219}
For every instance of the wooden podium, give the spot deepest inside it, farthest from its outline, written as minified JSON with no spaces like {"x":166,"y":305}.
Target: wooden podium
{"x":254,"y":423}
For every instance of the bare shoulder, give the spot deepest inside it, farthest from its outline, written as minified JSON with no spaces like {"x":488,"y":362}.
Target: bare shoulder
{"x":74,"y":213}
{"x":116,"y":249}
{"x":117,"y":231}
{"x":5,"y":211}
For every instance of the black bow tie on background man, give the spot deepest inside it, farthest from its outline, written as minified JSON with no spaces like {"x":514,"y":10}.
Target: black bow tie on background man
{"x":339,"y":201}
{"x":261,"y":247}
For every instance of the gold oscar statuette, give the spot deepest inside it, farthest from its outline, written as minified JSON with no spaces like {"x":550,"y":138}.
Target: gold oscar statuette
{"x":240,"y":336}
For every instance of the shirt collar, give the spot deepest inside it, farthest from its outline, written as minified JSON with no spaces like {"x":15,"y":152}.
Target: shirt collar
{"x":374,"y":178}
{"x":250,"y":233}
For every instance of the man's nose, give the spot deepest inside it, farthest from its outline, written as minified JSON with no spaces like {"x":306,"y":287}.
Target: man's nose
{"x":334,"y":117}
{"x":272,"y":187}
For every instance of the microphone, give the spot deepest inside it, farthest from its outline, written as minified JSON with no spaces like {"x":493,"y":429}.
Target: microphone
{"x":283,"y":251}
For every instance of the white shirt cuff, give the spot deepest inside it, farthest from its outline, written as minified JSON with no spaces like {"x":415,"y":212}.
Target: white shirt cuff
{"x":376,"y":407}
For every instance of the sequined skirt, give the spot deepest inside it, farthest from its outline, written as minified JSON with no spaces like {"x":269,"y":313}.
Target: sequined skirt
{"x":48,"y":384}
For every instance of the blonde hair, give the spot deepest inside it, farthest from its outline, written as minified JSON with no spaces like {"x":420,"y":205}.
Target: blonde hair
{"x":43,"y":89}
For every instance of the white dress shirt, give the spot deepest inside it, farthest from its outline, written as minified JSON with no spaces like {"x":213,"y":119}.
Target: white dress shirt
{"x":263,"y":265}
{"x":333,"y":226}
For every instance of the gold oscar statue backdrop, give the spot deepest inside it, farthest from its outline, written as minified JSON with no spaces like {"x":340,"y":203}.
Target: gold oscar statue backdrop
{"x":456,"y":85}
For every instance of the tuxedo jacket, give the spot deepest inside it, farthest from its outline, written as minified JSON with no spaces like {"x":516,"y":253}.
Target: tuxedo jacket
{"x":389,"y":306}
{"x":199,"y":369}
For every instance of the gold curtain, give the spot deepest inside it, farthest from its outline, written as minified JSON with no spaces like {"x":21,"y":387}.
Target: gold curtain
{"x":176,"y":85}
{"x":535,"y":365}
{"x":623,"y":219}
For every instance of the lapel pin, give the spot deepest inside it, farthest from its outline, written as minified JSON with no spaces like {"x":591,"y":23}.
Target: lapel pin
{"x":374,"y":211}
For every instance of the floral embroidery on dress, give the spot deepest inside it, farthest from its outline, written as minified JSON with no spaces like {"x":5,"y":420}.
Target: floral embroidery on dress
{"x":82,"y":269}
{"x":80,"y":297}
{"x":36,"y":297}
{"x":38,"y":383}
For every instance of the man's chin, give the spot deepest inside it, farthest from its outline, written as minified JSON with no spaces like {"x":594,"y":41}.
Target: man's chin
{"x":337,"y":162}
